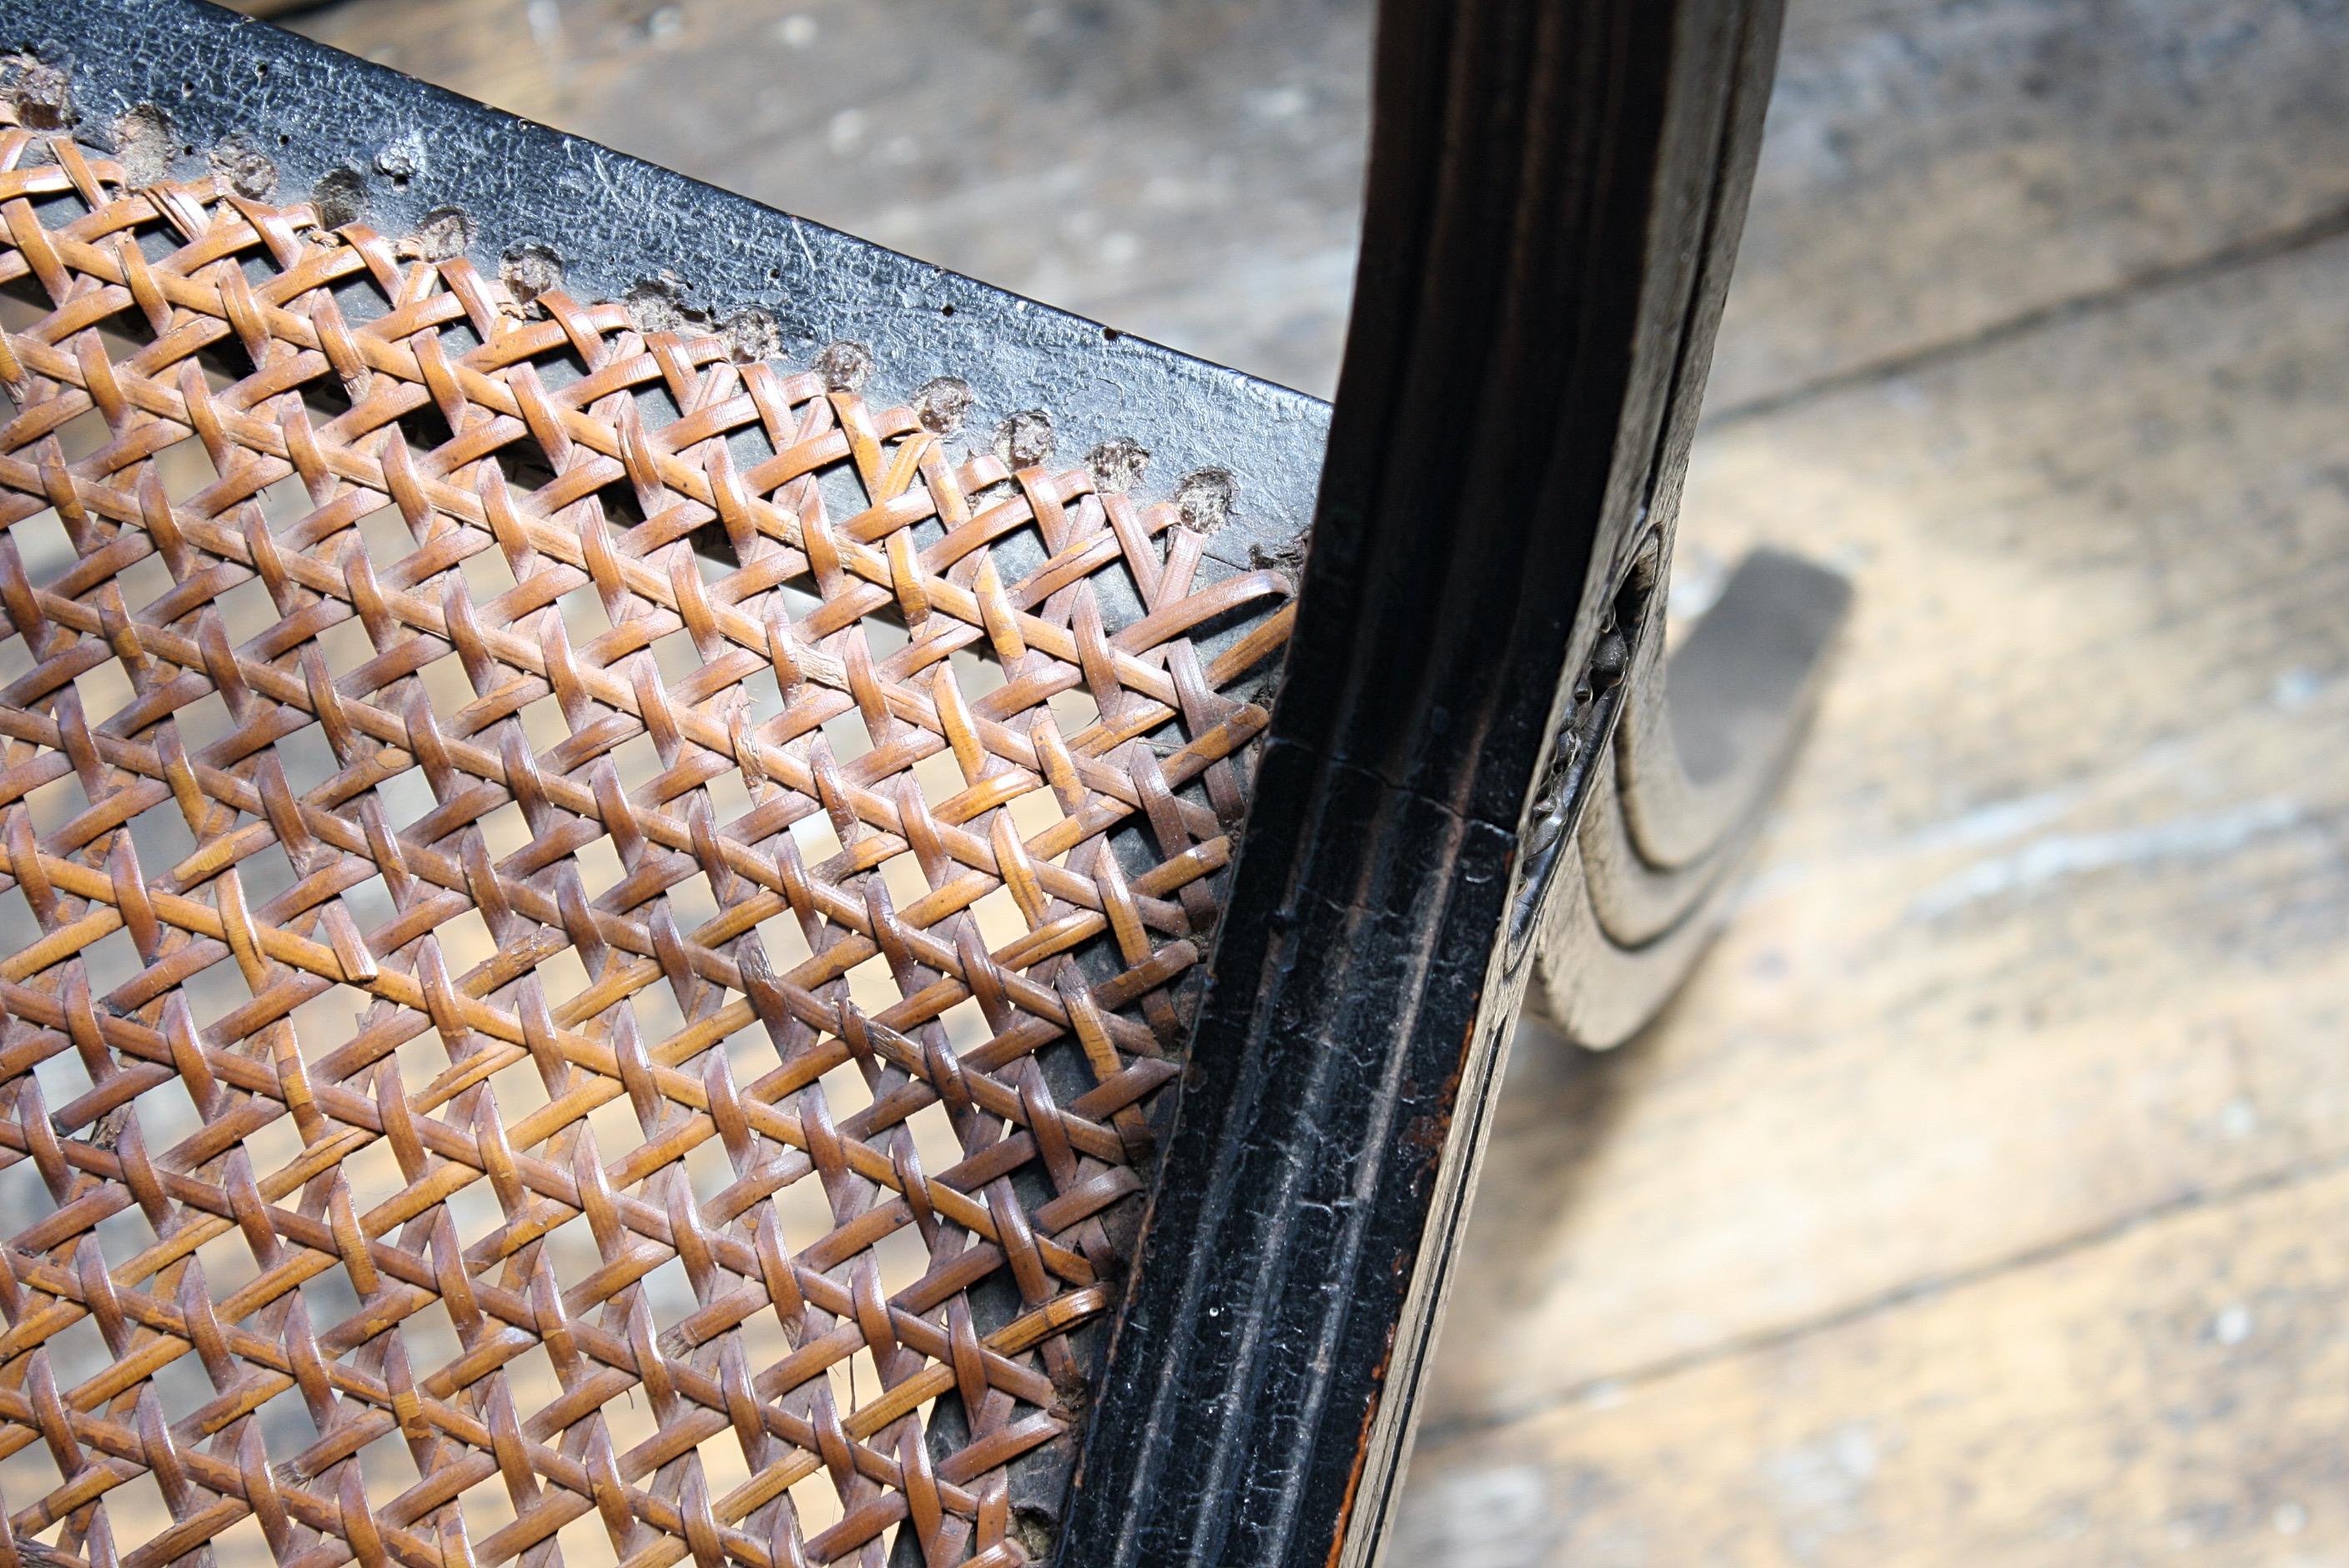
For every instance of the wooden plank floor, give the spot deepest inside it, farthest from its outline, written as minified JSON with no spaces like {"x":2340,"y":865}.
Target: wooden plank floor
{"x":1984,"y":1200}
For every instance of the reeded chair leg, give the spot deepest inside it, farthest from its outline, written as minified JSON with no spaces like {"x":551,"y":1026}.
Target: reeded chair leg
{"x":1704,"y":736}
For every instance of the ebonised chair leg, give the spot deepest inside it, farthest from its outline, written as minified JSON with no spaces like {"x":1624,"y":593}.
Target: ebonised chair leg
{"x":1705,"y":734}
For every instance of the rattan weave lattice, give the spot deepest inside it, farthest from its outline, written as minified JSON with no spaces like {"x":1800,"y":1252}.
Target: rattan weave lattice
{"x":535,"y":1045}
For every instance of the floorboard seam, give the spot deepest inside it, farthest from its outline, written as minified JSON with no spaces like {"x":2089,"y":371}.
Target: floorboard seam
{"x":2326,"y":226}
{"x":1437,"y":1434}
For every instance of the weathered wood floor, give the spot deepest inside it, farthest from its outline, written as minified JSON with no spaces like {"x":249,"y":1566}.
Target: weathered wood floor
{"x":1986,"y":1199}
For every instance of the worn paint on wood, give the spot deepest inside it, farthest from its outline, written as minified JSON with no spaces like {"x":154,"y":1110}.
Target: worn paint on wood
{"x":1190,"y":169}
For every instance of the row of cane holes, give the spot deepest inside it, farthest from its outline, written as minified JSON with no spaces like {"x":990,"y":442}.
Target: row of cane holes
{"x":186,"y":468}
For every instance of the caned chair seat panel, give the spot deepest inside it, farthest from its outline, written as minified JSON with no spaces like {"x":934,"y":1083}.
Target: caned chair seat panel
{"x":524,"y":1039}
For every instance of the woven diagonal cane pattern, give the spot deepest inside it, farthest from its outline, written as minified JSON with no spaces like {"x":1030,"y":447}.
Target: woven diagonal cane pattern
{"x":528,"y":1044}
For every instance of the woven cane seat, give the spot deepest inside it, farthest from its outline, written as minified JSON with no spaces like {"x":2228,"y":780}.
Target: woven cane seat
{"x":596,"y":924}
